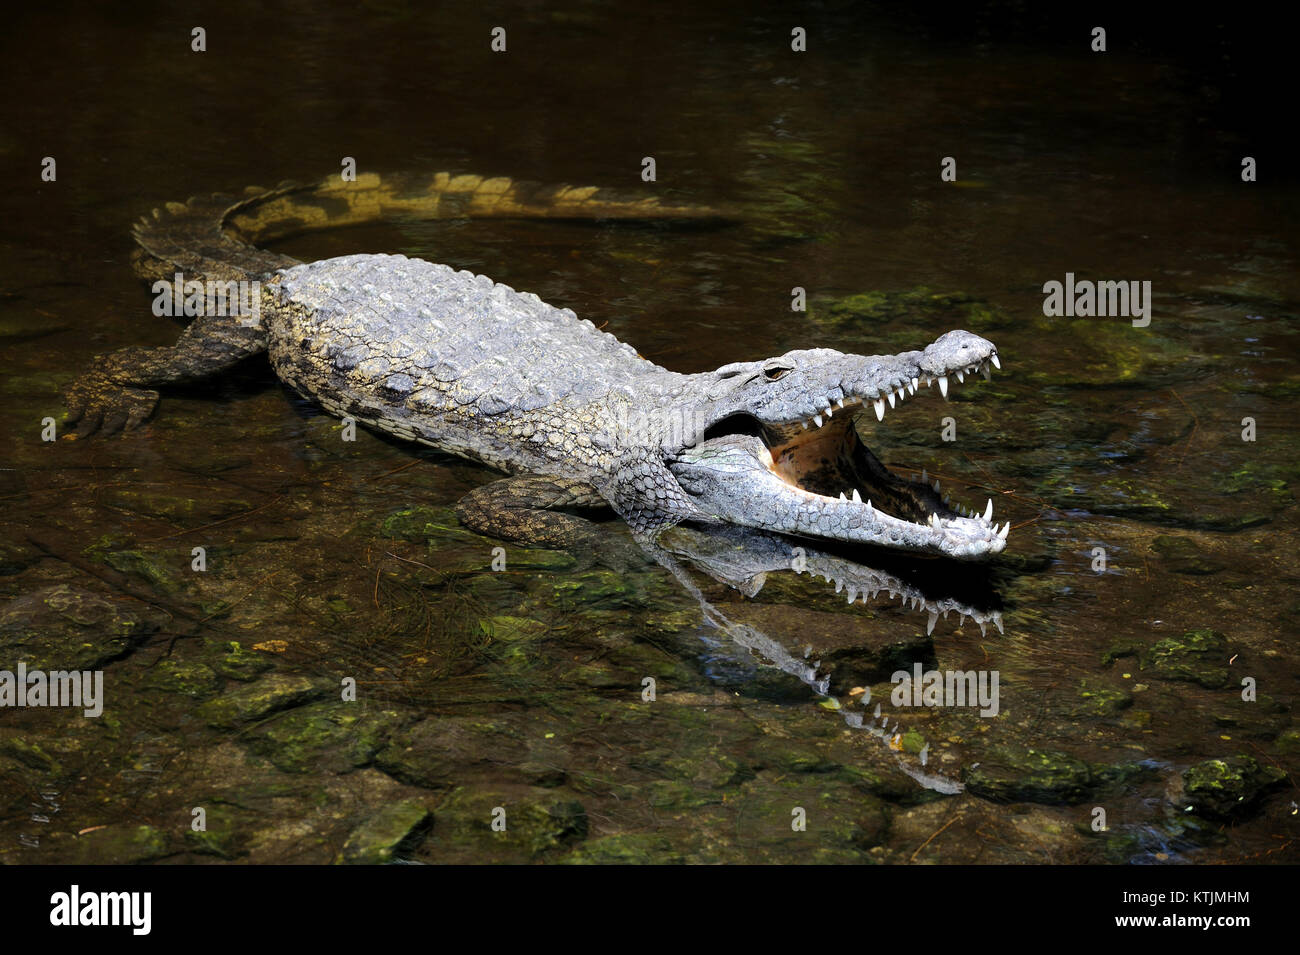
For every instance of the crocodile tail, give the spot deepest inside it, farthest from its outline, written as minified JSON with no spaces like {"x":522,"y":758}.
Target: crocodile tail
{"x":190,"y":237}
{"x":215,"y":237}
{"x":293,"y":208}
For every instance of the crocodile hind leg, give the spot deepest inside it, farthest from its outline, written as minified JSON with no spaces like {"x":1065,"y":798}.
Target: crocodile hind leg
{"x":529,"y":510}
{"x":119,"y":393}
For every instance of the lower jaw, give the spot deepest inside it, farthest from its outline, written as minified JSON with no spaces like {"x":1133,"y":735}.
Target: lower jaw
{"x":901,"y":510}
{"x":844,"y":464}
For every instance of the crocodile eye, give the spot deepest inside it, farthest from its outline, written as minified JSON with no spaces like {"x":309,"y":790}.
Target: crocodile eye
{"x":775,"y":372}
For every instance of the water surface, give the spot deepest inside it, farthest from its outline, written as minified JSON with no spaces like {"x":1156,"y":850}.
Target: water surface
{"x":522,"y":689}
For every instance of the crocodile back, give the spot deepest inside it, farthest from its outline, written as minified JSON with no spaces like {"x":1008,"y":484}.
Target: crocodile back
{"x":444,"y":357}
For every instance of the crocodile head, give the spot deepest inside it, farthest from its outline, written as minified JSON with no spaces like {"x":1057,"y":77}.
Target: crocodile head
{"x":780,"y":449}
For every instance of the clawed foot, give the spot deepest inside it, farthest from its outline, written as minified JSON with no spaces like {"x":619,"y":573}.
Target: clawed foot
{"x":97,"y":404}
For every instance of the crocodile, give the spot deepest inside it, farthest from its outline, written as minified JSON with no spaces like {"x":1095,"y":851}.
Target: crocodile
{"x":575,"y":417}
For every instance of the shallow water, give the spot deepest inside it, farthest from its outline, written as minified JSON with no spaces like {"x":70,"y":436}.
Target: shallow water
{"x":523,"y":689}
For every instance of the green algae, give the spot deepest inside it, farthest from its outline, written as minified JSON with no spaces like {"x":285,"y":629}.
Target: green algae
{"x":225,"y":834}
{"x":189,"y":678}
{"x":325,"y":737}
{"x":628,"y":848}
{"x":1198,"y":656}
{"x":1024,"y":773}
{"x":521,"y":825}
{"x":234,"y":661}
{"x":1097,"y":699}
{"x":391,"y":833}
{"x":65,"y":628}
{"x":254,"y":701}
{"x":869,"y":310}
{"x":1229,"y":788}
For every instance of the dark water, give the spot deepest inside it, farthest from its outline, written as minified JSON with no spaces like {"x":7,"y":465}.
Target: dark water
{"x":522,"y":689}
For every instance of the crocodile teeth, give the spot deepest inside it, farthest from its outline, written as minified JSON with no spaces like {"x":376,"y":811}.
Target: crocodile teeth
{"x":1003,"y":534}
{"x":880,"y":409}
{"x":818,"y":419}
{"x":827,"y":412}
{"x":934,"y":521}
{"x":916,"y":383}
{"x":984,"y":370}
{"x":936,"y":485}
{"x":891,"y":399}
{"x":842,"y":497}
{"x":925,"y":478}
{"x":853,"y":593}
{"x":804,"y":425}
{"x":997,"y":622}
{"x":839,"y":403}
{"x":943,"y":385}
{"x":961,"y":376}
{"x":996,"y":364}
{"x":857,"y":498}
{"x":929,"y":626}
{"x":988,"y":512}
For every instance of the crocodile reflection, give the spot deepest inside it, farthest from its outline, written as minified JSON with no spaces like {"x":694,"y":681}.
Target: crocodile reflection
{"x":743,"y":559}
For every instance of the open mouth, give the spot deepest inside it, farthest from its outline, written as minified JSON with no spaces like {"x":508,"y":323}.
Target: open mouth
{"x":841,"y":489}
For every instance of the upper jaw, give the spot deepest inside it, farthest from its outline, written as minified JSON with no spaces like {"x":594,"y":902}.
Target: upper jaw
{"x":879,"y":382}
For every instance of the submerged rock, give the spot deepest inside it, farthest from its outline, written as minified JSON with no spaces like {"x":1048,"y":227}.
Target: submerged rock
{"x":475,"y":824}
{"x":870,"y":310}
{"x":1183,"y":555}
{"x":325,"y":737}
{"x":66,"y":628}
{"x":439,"y":752}
{"x":260,"y":699}
{"x":1229,"y":788}
{"x":1199,"y":656}
{"x":225,"y":835}
{"x":1015,"y":773}
{"x":388,"y":834}
{"x":158,"y":568}
{"x":236,"y":662}
{"x":184,"y":678}
{"x":631,"y":848}
{"x":1098,"y":699}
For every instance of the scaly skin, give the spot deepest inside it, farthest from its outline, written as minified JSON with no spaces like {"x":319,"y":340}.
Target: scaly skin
{"x":474,"y":368}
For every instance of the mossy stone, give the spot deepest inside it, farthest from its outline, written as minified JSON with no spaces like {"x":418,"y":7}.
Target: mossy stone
{"x":66,"y":628}
{"x":387,"y":835}
{"x":1198,"y":656}
{"x":258,"y":700}
{"x":1229,"y":788}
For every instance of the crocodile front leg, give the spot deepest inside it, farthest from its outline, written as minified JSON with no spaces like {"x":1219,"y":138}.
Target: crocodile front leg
{"x":645,"y":494}
{"x":119,"y":393}
{"x":529,"y":510}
